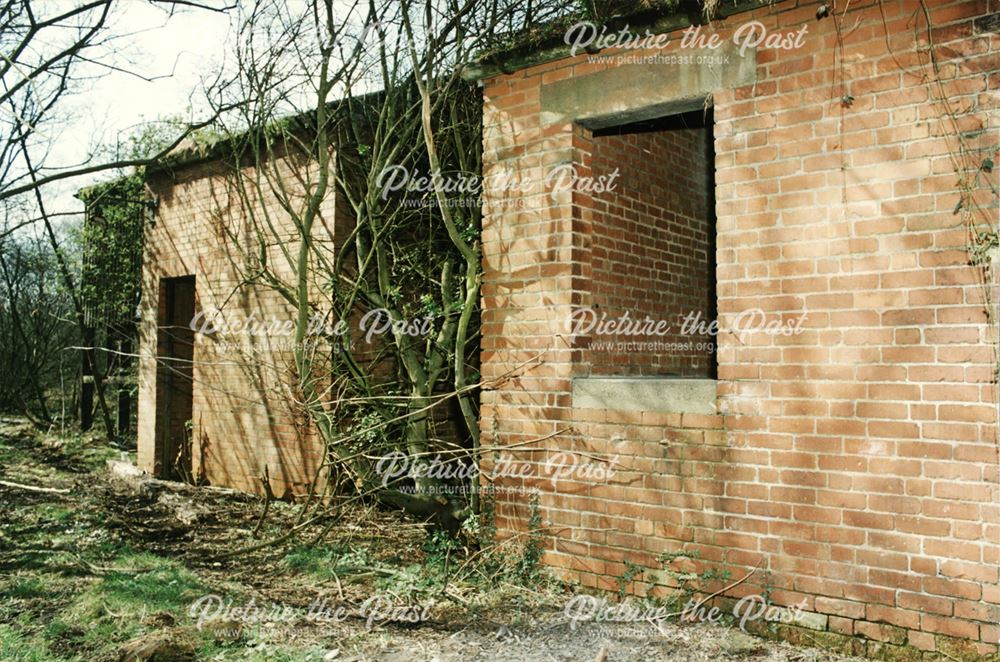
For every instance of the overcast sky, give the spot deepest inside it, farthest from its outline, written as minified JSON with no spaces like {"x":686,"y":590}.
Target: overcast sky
{"x":190,"y":44}
{"x":178,"y":50}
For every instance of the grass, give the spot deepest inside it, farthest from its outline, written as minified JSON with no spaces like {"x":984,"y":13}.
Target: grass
{"x":16,"y":645}
{"x":323,"y":562}
{"x":76,"y":584}
{"x":25,"y":587}
{"x":71,"y":590}
{"x":108,"y":610}
{"x":138,"y":585}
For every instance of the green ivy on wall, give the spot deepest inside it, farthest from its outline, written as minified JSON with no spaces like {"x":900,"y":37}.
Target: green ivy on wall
{"x":112,"y":250}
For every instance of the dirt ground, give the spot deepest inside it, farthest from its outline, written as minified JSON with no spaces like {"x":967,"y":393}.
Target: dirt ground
{"x":104,"y":567}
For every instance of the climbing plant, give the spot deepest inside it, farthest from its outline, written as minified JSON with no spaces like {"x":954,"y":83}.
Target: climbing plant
{"x":112,"y":249}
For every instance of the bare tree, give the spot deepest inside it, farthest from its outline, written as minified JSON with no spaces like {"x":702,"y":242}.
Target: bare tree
{"x":50,"y":51}
{"x":358,"y":96}
{"x":34,"y":326}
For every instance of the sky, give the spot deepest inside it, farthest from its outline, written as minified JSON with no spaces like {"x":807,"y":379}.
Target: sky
{"x":183,"y":47}
{"x":177,"y":50}
{"x":175,"y":46}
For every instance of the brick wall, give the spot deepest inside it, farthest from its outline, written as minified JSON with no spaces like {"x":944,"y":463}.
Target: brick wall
{"x":651,"y":240}
{"x":856,"y":462}
{"x":243,"y":414}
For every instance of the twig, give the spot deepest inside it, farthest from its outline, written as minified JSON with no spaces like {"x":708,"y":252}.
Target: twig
{"x":268,"y":496}
{"x":713,"y":595}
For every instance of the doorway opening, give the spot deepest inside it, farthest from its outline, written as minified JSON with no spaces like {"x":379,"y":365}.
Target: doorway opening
{"x":174,"y":378}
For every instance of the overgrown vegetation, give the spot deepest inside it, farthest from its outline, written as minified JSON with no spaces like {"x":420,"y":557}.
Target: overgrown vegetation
{"x":112,"y":248}
{"x":105,"y":568}
{"x":409,"y":258}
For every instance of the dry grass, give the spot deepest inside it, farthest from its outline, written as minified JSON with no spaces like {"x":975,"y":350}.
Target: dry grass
{"x":111,"y":569}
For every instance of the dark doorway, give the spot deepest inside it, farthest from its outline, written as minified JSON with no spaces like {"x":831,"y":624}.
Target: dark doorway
{"x":174,"y":378}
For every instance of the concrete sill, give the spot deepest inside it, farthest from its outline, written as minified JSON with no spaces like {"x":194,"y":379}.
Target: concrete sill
{"x":665,"y":395}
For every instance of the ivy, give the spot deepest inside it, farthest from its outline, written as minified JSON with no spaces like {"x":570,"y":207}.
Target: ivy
{"x":112,"y":249}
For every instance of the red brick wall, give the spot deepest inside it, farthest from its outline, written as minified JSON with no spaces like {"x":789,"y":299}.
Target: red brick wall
{"x":650,"y":249}
{"x":856,"y":461}
{"x":243,"y":413}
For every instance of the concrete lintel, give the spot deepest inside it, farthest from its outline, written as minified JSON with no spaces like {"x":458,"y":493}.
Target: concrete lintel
{"x":524,"y":55}
{"x":637,"y":92}
{"x":666,"y":395}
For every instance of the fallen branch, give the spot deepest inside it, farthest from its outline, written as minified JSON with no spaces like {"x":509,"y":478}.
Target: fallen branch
{"x":34,"y":488}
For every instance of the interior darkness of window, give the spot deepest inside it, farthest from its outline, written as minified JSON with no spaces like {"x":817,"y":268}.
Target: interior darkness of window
{"x":694,"y":119}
